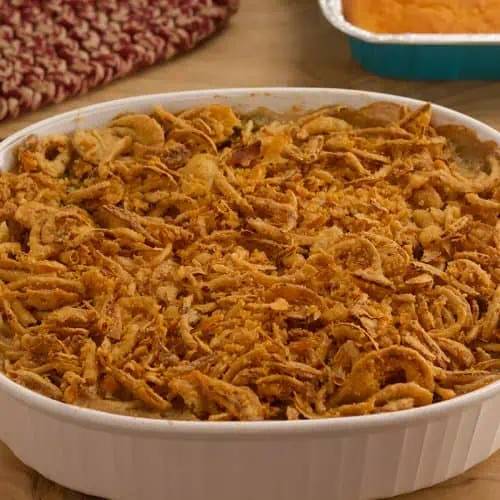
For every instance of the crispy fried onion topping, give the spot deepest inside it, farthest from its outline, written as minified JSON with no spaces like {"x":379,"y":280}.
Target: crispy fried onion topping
{"x":210,"y":265}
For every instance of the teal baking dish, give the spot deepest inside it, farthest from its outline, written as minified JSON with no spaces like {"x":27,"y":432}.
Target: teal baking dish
{"x":420,"y":57}
{"x":428,"y":62}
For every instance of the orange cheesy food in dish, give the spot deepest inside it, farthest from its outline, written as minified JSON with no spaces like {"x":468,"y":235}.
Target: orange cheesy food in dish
{"x":424,"y":16}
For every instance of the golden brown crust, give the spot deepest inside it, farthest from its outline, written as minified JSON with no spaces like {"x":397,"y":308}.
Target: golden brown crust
{"x":424,"y":16}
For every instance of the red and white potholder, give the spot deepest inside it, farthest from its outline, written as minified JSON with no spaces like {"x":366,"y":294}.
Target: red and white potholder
{"x":51,"y":50}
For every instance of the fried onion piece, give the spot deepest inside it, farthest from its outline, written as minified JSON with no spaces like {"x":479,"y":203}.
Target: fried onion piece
{"x":141,"y":128}
{"x":216,"y":120}
{"x":141,"y":390}
{"x":38,"y":383}
{"x":90,"y":368}
{"x":491,"y":318}
{"x":198,"y":175}
{"x":375,"y":370}
{"x":51,"y":155}
{"x":100,"y":145}
{"x":241,"y":402}
{"x":419,"y":395}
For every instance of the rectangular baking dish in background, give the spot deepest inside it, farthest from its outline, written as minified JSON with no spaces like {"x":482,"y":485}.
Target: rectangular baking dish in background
{"x":419,"y":56}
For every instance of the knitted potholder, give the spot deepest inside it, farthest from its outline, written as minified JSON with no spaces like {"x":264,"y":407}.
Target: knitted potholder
{"x":54,"y":49}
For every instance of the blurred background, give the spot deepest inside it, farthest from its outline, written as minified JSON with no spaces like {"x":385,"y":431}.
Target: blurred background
{"x":275,"y":43}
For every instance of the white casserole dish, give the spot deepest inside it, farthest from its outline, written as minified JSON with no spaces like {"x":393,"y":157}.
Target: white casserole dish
{"x":349,"y":458}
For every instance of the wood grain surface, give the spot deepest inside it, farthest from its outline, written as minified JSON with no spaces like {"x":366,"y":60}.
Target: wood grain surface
{"x":272,"y":43}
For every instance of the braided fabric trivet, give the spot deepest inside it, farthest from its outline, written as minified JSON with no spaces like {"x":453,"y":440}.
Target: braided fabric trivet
{"x":54,"y":49}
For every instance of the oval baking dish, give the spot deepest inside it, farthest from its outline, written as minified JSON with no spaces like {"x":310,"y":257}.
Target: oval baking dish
{"x":349,"y":458}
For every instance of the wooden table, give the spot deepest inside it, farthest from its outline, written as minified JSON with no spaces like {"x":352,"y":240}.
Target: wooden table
{"x":272,"y":42}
